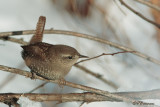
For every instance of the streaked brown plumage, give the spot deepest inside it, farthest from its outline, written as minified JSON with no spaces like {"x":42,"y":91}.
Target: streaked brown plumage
{"x":50,"y":61}
{"x":46,"y":60}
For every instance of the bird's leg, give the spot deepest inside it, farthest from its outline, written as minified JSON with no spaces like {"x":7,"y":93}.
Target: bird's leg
{"x":33,"y":75}
{"x":62,"y":82}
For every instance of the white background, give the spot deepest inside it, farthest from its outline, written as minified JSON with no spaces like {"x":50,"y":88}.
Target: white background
{"x":129,"y":72}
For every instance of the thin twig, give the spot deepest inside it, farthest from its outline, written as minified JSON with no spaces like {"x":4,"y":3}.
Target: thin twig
{"x":38,"y":87}
{"x":78,"y":66}
{"x":41,"y":97}
{"x":141,"y":95}
{"x":139,"y":14}
{"x":70,"y":84}
{"x":103,"y":55}
{"x":5,"y":81}
{"x":90,"y":37}
{"x":115,"y":1}
{"x":149,"y":4}
{"x":20,"y":41}
{"x":99,"y":76}
{"x":85,"y":97}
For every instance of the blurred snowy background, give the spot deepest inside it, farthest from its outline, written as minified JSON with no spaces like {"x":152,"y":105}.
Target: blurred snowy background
{"x":106,"y":19}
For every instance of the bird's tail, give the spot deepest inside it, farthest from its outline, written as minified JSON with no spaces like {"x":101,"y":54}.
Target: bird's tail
{"x":38,"y":36}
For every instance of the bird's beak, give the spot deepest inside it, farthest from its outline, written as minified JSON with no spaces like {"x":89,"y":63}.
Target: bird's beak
{"x":82,"y":56}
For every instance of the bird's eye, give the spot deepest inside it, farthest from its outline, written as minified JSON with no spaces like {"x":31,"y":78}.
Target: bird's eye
{"x":70,"y":57}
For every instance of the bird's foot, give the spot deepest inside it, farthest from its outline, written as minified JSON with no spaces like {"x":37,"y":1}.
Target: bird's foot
{"x":61,"y":82}
{"x":33,"y":77}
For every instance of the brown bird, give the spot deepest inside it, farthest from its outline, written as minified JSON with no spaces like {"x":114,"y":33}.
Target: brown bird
{"x":47,"y":60}
{"x":50,"y":61}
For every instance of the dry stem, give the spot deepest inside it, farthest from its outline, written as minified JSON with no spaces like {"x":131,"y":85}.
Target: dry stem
{"x":140,"y":15}
{"x":85,"y":97}
{"x":38,"y":87}
{"x":149,"y":4}
{"x":90,"y":37}
{"x":103,"y":55}
{"x":99,"y":76}
{"x":82,"y":87}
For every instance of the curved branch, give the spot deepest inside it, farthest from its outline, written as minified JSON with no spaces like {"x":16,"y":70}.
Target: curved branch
{"x":99,"y":76}
{"x":103,"y":55}
{"x":140,"y":15}
{"x":82,"y":87}
{"x":149,"y":4}
{"x":69,"y":97}
{"x":85,"y":97}
{"x":90,"y":37}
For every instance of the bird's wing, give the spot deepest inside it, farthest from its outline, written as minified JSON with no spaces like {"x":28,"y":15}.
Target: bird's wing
{"x":35,"y":52}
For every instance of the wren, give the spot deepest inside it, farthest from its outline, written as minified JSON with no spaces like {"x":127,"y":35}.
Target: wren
{"x":47,"y":60}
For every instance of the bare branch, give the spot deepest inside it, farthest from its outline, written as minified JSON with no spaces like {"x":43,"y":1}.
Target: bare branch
{"x":115,"y":1}
{"x":38,"y":87}
{"x":20,"y":41}
{"x":78,"y":66}
{"x":99,"y":76}
{"x":149,"y":4}
{"x":82,"y":87}
{"x":141,"y":95}
{"x":85,"y":97}
{"x":90,"y":37}
{"x":140,"y":15}
{"x":103,"y":55}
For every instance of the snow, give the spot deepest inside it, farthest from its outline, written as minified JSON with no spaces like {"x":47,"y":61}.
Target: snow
{"x":129,"y":72}
{"x":25,"y":102}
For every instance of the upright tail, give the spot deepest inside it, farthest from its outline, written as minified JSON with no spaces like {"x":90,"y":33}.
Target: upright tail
{"x":38,"y":36}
